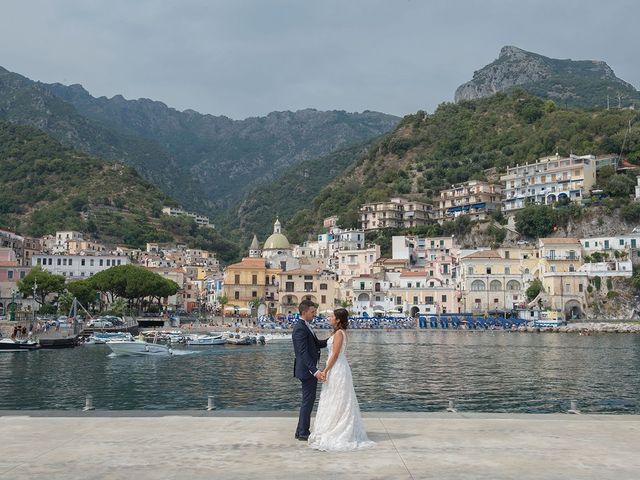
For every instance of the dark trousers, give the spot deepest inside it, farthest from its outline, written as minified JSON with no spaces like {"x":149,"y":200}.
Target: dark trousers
{"x":309,"y":387}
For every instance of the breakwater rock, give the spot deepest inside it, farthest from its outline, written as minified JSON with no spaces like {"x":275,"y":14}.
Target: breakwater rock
{"x":589,"y":327}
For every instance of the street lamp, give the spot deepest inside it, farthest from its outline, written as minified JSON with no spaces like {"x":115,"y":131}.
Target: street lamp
{"x":12,"y":307}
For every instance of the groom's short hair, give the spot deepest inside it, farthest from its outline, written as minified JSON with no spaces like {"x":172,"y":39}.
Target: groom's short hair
{"x":306,"y":305}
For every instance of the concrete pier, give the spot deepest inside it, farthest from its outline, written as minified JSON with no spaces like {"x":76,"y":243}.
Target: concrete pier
{"x":143,"y":445}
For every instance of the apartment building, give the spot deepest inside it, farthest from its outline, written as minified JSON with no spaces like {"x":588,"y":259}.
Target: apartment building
{"x":201,"y":220}
{"x":300,"y":284}
{"x":548,"y":180}
{"x":78,"y":267}
{"x":396,"y":213}
{"x":474,"y":198}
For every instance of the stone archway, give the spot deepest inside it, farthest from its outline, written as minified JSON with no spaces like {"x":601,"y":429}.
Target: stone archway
{"x":572,"y":310}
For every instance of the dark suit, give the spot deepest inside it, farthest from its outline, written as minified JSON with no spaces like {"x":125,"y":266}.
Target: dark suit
{"x":307,"y":350}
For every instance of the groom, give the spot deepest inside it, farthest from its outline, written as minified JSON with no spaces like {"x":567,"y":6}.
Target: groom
{"x":305,"y":368}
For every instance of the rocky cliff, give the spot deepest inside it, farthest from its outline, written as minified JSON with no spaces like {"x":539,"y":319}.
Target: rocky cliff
{"x":584,"y":83}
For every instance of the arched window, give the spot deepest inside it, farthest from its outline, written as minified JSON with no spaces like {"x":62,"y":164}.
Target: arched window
{"x":477,"y":285}
{"x":572,"y":268}
{"x":495,"y":285}
{"x":513,"y":285}
{"x":526,"y":271}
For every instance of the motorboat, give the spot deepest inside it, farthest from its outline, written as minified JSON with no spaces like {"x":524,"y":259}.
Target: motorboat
{"x":276,"y":337}
{"x":11,"y":345}
{"x":239,"y":340}
{"x":100,"y":338}
{"x":205,"y":340}
{"x":138,"y":347}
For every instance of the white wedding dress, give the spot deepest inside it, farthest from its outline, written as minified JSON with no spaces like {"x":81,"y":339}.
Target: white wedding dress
{"x":338,"y":425}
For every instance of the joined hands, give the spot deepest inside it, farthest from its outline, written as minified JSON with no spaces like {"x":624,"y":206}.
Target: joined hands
{"x":321,"y":375}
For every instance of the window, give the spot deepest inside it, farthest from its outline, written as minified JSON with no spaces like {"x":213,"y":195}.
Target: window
{"x":488,"y":270}
{"x":308,"y":277}
{"x":507,"y":270}
{"x":572,"y":268}
{"x":415,"y":299}
{"x":254,"y":279}
{"x":254,"y":294}
{"x":308,"y":286}
{"x":553,"y":268}
{"x":586,"y":244}
{"x":444,"y":298}
{"x":323,"y":286}
{"x":408,"y":284}
{"x":477,"y":285}
{"x":469,"y":270}
{"x":91,"y":262}
{"x":621,"y":242}
{"x":59,"y":261}
{"x":323,"y":299}
{"x":101,"y":262}
{"x":398,"y":300}
{"x":288,"y":287}
{"x":22,"y":273}
{"x":580,"y":288}
{"x":236,"y":279}
{"x":431,"y":273}
{"x":119,"y":262}
{"x":495,"y":285}
{"x":289,"y":277}
{"x":428,"y":300}
{"x":38,"y":261}
{"x":506,"y":254}
{"x":513,"y":285}
{"x":10,"y":274}
{"x":82,"y":262}
{"x":236,"y":295}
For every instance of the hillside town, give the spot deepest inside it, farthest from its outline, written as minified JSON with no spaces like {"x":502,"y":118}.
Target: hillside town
{"x":422,"y":276}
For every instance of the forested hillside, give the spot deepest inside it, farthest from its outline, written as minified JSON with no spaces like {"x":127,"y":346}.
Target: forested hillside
{"x":468,"y":140}
{"x":47,"y":186}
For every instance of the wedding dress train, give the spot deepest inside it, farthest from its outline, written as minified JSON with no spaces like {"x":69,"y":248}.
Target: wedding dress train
{"x":338,"y":424}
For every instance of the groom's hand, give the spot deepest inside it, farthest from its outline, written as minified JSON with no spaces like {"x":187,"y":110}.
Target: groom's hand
{"x":320,"y":376}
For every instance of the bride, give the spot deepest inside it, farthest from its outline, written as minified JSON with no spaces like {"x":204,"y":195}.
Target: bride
{"x":338,"y":425}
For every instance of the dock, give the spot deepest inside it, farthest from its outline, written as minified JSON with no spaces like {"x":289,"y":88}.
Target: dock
{"x":261,"y":445}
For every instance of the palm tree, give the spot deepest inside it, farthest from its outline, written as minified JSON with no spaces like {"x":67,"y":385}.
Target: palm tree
{"x":222,"y":301}
{"x":255,"y":304}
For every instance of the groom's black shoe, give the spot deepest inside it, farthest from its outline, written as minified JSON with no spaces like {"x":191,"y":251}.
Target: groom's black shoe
{"x":303,"y":438}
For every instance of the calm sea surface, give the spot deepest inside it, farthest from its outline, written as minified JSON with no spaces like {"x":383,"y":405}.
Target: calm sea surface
{"x":394,"y":371}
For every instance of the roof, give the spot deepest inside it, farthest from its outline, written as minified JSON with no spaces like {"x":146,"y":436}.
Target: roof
{"x":398,"y":261}
{"x":254,"y":243}
{"x":248,"y":262}
{"x":559,"y":241}
{"x":484,"y":254}
{"x":408,"y":273}
{"x":276,"y":241}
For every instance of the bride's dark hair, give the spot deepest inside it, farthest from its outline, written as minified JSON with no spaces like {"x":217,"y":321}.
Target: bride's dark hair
{"x":342,"y":317}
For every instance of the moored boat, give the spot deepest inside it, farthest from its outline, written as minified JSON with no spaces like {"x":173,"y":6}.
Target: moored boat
{"x":138,"y":347}
{"x":11,"y":345}
{"x":205,"y":340}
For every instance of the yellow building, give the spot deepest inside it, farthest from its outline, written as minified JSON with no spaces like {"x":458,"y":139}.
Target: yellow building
{"x":319,"y":286}
{"x":491,"y":280}
{"x":564,"y":286}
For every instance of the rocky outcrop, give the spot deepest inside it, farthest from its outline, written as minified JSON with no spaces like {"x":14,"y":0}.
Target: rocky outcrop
{"x":583,"y":83}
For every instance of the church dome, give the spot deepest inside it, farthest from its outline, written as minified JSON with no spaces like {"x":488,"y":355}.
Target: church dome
{"x":276,"y":241}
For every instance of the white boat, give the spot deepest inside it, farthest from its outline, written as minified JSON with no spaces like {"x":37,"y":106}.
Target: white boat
{"x":276,"y":337}
{"x":11,"y":345}
{"x":205,"y":340}
{"x":98,"y":338}
{"x":138,"y":347}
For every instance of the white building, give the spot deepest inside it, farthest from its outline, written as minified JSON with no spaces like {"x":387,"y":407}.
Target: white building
{"x":547,"y":181}
{"x":77,"y":267}
{"x":626,"y":242}
{"x":201,"y":220}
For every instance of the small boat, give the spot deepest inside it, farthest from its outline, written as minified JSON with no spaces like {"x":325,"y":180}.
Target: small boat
{"x":100,"y":338}
{"x":238,"y":340}
{"x":276,"y":337}
{"x":11,"y":345}
{"x":205,"y":340}
{"x":138,"y":347}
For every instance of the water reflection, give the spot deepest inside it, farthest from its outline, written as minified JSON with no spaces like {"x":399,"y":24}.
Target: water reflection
{"x":403,"y":371}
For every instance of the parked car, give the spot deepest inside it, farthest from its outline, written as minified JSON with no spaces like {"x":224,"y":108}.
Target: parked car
{"x":99,"y":323}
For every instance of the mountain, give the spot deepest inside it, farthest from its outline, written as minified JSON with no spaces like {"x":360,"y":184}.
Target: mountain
{"x":47,"y":186}
{"x":292,"y":190}
{"x":468,"y":140}
{"x":584,"y":83}
{"x":205,"y":162}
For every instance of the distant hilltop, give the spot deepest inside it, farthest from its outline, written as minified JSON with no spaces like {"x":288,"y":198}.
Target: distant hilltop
{"x":583,"y":83}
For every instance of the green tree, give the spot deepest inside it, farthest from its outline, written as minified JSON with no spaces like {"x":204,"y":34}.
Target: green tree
{"x":83,"y":291}
{"x":535,"y":287}
{"x":535,"y":221}
{"x":44,"y":282}
{"x":619,"y":186}
{"x":223,"y":300}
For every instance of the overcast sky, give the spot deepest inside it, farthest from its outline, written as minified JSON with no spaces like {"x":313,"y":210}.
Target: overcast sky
{"x":244,"y":58}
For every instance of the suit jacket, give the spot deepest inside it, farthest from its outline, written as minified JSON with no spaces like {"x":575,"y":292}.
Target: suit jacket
{"x":307,"y":350}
